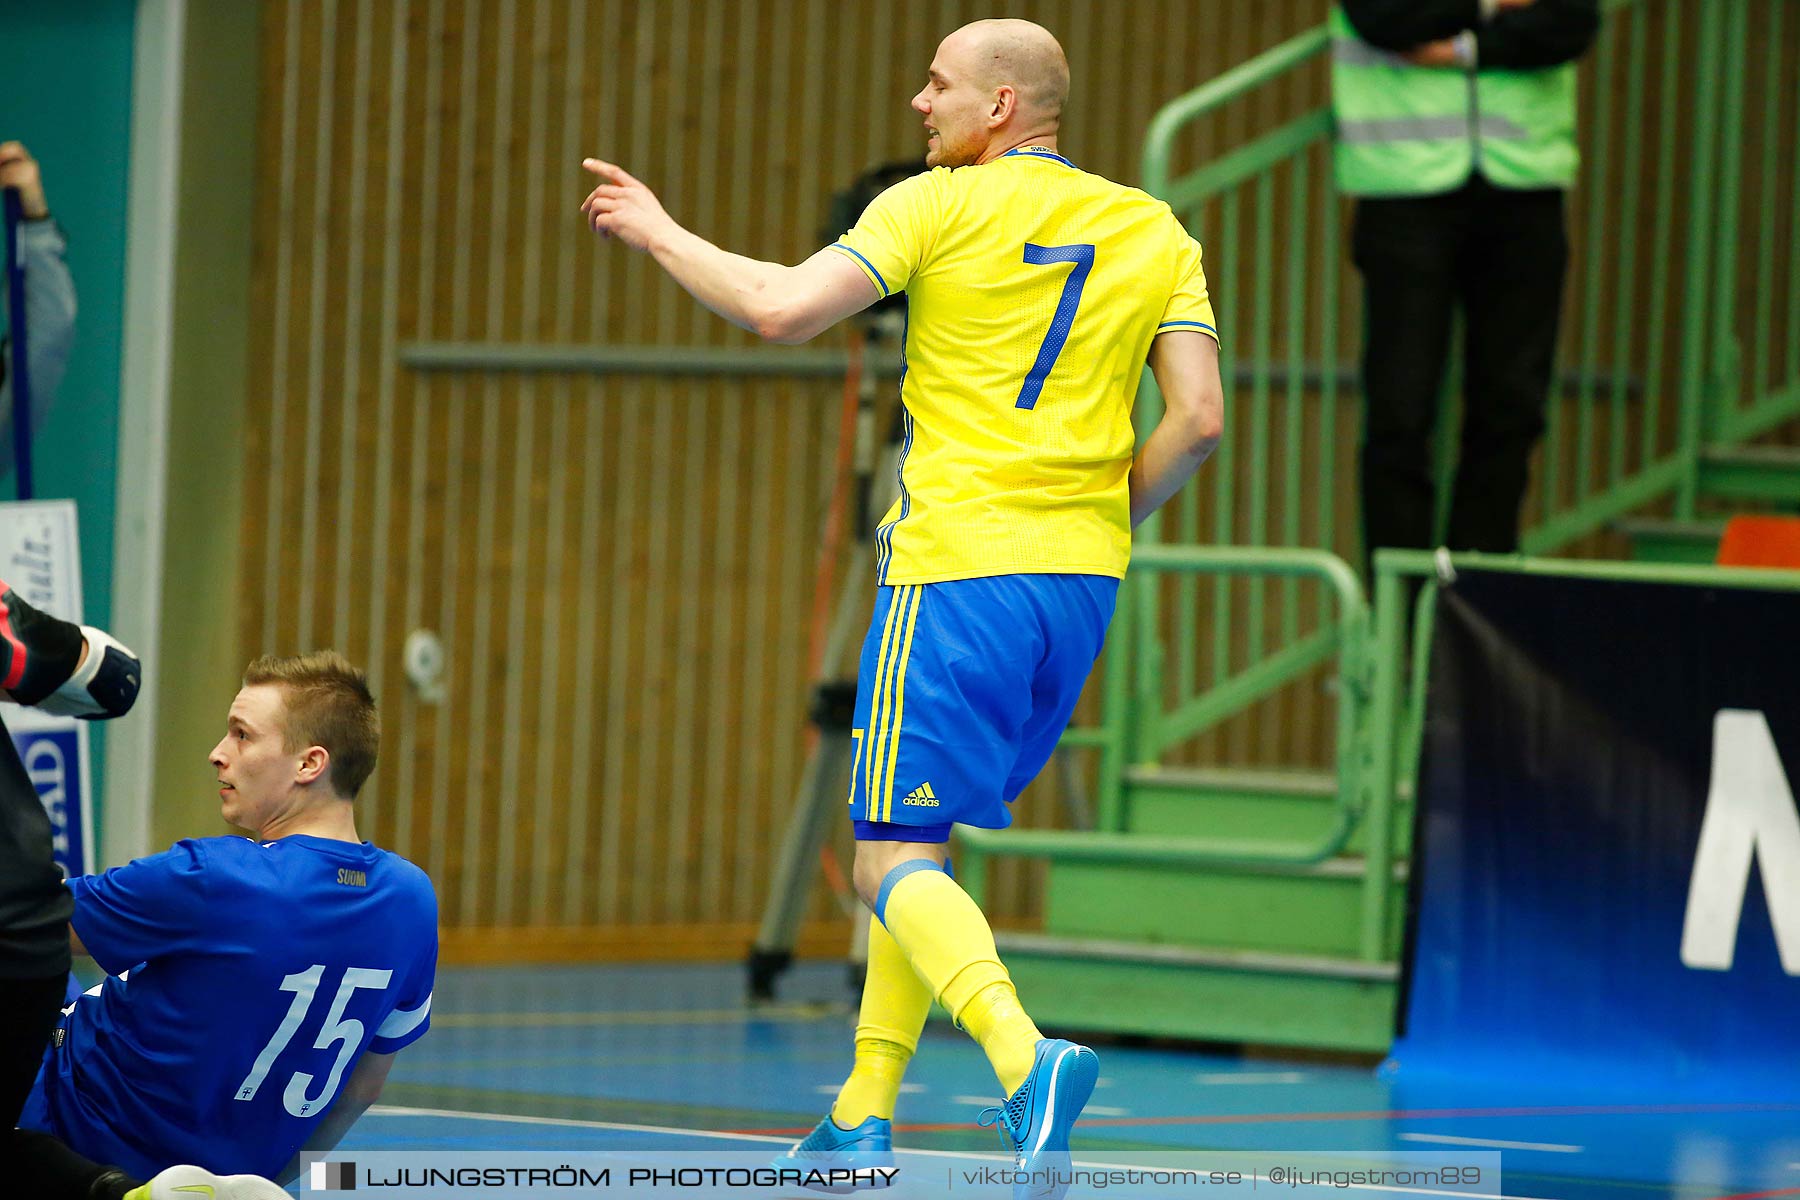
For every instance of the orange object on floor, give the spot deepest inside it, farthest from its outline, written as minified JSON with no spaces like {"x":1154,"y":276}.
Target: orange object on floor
{"x":1761,"y":542}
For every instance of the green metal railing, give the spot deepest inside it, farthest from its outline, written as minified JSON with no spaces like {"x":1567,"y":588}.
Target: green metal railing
{"x":1396,"y":703}
{"x":1142,"y":740}
{"x":1686,"y":249}
{"x":1748,"y":394}
{"x":1630,"y":425}
{"x":1124,"y":740}
{"x":1700,"y":270}
{"x":1196,"y":666}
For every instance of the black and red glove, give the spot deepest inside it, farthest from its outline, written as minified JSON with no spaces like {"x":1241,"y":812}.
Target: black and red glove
{"x":41,"y":663}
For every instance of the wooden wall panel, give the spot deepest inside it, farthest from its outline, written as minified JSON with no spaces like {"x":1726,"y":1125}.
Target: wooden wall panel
{"x":621,"y":567}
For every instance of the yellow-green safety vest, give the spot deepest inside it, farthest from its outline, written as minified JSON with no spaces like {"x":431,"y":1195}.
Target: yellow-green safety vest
{"x":1404,"y":130}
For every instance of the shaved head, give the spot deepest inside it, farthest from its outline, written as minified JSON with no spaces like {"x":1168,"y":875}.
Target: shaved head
{"x":1019,"y":54}
{"x":993,"y":86}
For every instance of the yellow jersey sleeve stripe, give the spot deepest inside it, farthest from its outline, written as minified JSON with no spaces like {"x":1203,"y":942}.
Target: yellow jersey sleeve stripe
{"x":872,"y":757}
{"x":887,"y":786}
{"x":1187,"y":325}
{"x":867,"y":266}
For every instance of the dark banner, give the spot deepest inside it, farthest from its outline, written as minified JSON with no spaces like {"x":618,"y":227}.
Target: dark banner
{"x":1607,"y":885}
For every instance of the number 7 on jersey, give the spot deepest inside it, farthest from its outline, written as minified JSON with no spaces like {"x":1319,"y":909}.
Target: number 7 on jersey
{"x":1082,"y":256}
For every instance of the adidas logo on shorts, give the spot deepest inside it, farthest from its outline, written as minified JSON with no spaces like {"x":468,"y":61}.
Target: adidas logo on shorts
{"x":921,"y":797}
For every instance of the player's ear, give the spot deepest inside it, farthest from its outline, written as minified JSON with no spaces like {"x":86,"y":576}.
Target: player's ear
{"x":1005,"y":100}
{"x":313,"y":765}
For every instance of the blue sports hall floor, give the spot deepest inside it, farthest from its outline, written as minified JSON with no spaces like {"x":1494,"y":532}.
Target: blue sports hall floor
{"x":610,"y":1058}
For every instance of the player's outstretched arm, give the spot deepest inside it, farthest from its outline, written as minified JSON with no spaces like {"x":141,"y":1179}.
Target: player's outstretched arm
{"x":362,"y":1089}
{"x":63,"y":668}
{"x":777,"y":303}
{"x":1186,"y":365}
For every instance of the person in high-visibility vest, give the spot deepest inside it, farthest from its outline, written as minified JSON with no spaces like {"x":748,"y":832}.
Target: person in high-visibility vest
{"x":1456,"y":133}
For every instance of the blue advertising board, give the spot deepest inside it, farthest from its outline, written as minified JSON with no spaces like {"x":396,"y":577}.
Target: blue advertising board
{"x":40,"y":560}
{"x":55,"y":758}
{"x":1606,"y":883}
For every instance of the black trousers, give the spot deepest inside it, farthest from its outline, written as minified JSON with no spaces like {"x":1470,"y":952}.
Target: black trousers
{"x":34,"y":934}
{"x":34,"y":972}
{"x":37,"y":1163}
{"x":28,"y":1012}
{"x":1499,"y":256}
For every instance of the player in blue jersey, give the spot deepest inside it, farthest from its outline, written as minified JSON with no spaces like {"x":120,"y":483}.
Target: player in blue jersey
{"x":1036,"y":293}
{"x":258,"y":988}
{"x":80,"y":671}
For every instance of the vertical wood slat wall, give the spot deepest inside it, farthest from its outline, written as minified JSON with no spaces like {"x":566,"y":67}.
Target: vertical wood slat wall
{"x":620,"y":567}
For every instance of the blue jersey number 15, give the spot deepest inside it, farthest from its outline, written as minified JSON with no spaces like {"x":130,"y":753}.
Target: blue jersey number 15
{"x":1082,"y":256}
{"x":345,"y":1034}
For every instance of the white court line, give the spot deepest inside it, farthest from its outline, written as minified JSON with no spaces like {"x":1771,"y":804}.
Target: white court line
{"x":388,"y":1110}
{"x":1252,"y":1077}
{"x":906,"y":1089}
{"x":795,"y":1011}
{"x":1489,"y":1143}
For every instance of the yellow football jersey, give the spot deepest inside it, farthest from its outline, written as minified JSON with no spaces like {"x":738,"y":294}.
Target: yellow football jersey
{"x":1034,"y":290}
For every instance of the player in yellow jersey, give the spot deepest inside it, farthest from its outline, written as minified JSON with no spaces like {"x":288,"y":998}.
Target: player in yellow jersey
{"x":1036,"y":293}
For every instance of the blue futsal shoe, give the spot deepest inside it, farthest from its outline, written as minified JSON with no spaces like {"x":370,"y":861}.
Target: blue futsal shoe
{"x":844,"y":1160}
{"x":1034,"y":1122}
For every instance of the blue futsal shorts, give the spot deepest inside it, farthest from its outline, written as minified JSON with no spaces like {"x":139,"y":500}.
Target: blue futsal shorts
{"x":965,"y":688}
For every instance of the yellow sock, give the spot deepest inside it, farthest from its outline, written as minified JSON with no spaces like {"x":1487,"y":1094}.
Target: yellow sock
{"x":138,"y":1193}
{"x":895,"y":1002}
{"x":995,"y":1019}
{"x":949,"y":944}
{"x":874,"y":1083}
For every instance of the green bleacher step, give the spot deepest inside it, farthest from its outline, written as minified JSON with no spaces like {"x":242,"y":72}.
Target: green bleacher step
{"x":1656,"y":540}
{"x":1261,"y":998}
{"x":1230,"y":802}
{"x":1287,"y":909}
{"x":1757,"y":473}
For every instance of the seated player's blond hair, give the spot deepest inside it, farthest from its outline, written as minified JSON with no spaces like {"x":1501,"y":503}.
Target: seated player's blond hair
{"x":326,"y":703}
